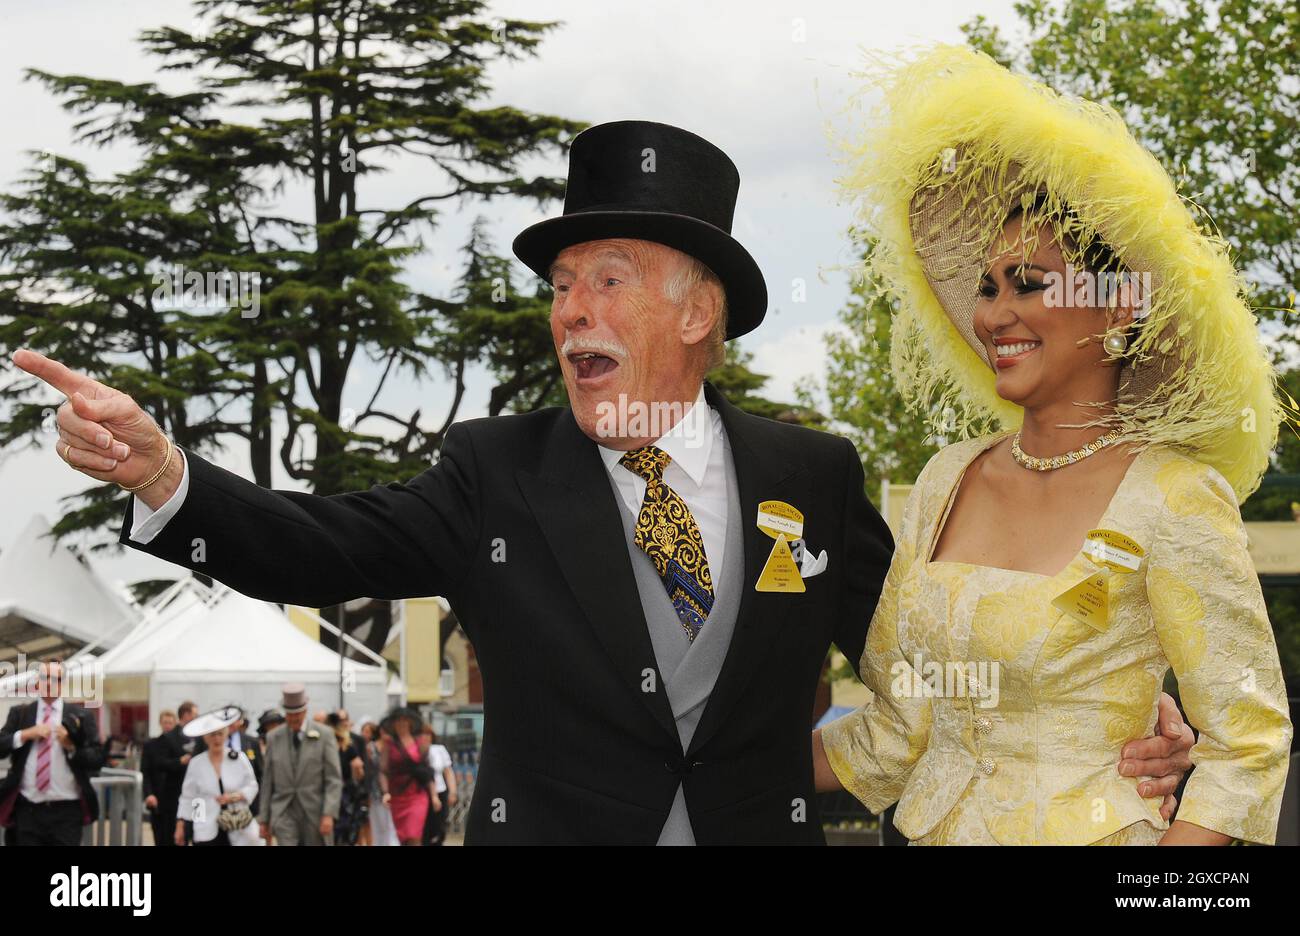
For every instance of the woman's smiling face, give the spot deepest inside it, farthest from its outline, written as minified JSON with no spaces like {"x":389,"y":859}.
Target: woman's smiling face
{"x":1031,"y":339}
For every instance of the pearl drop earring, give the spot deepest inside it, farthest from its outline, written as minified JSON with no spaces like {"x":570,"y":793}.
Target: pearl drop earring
{"x":1115,"y":343}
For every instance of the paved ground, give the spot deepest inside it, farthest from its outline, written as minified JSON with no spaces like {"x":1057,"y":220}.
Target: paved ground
{"x":457,"y":840}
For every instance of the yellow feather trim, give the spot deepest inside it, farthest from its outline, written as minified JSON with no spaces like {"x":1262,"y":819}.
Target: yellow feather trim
{"x":1214,"y":394}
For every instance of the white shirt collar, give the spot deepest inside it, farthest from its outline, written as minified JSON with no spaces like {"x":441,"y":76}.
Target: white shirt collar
{"x":688,"y":443}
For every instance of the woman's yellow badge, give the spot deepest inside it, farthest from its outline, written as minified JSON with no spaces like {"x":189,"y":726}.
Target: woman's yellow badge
{"x":1089,"y":601}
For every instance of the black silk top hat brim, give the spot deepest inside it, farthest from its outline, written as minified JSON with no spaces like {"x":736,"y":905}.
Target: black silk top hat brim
{"x":648,"y":181}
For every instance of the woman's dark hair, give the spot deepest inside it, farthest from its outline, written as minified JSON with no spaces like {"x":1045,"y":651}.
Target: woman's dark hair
{"x":1097,"y":255}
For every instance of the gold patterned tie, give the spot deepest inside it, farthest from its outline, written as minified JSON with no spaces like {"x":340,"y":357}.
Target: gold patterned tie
{"x":666,"y":532}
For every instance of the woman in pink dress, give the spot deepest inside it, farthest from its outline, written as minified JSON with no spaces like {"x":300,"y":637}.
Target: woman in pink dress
{"x":406,"y":779}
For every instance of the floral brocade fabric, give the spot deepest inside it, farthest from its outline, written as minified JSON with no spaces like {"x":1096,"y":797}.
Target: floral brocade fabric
{"x":998,"y":719}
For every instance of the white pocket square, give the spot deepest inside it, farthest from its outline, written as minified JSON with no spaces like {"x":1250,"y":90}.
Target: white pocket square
{"x":809,"y":565}
{"x":812,"y":566}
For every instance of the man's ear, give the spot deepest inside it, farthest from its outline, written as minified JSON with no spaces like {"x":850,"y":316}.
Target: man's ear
{"x":703,"y":306}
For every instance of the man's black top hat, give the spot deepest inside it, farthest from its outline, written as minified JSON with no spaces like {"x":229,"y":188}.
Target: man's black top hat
{"x":649,"y":181}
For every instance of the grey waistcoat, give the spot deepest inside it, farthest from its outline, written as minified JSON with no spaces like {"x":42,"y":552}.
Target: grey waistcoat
{"x":689,"y":669}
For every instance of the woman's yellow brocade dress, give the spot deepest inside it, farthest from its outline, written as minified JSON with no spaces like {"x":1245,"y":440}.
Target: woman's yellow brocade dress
{"x":1026,"y":752}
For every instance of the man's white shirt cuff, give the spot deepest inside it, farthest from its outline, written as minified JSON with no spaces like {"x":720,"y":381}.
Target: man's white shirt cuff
{"x":146,"y":523}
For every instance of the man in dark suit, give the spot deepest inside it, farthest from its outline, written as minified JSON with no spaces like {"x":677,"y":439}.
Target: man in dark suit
{"x":173,"y":759}
{"x":54,"y":749}
{"x":651,"y":577}
{"x":154,"y":783}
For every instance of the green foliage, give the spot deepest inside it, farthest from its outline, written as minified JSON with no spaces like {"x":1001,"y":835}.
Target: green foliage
{"x":893,"y":442}
{"x":320,"y":96}
{"x":492,"y":323}
{"x":740,"y":386}
{"x":1280,"y":489}
{"x":1209,"y":88}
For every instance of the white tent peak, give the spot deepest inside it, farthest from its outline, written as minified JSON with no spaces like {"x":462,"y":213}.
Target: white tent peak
{"x":214,"y":646}
{"x":196,"y":629}
{"x":48,"y":585}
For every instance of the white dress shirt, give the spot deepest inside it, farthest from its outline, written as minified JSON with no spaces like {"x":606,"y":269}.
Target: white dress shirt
{"x":63,"y":785}
{"x":439,"y":759}
{"x":697,"y":472}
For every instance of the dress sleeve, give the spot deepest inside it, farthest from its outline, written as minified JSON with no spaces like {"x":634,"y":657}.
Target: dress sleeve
{"x":189,"y":792}
{"x":873,"y":750}
{"x":1213,"y":627}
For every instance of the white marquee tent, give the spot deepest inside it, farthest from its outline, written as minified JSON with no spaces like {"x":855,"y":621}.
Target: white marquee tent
{"x":214,"y":646}
{"x":53,"y":603}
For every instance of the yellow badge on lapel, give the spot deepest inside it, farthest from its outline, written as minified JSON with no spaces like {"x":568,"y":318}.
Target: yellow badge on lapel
{"x":1089,"y":601}
{"x":781,"y":573}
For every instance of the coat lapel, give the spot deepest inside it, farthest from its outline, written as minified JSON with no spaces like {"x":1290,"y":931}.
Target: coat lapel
{"x":572,"y":500}
{"x":761,"y":474}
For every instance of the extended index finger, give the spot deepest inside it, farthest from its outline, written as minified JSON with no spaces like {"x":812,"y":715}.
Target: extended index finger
{"x":61,"y":378}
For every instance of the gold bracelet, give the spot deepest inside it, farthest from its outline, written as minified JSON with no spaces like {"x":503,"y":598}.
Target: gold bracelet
{"x":171,"y":448}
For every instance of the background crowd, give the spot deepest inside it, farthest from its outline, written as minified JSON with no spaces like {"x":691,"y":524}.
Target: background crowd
{"x":388,"y":783}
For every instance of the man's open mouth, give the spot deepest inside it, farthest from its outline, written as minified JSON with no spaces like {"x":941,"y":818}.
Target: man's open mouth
{"x":588,"y":365}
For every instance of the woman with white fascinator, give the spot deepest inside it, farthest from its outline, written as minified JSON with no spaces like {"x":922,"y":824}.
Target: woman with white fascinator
{"x":218,"y":786}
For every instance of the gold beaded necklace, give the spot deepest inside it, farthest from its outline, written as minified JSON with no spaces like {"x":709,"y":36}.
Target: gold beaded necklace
{"x":1033,"y":463}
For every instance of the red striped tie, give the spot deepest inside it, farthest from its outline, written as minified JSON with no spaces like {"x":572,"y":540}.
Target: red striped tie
{"x":43,"y":750}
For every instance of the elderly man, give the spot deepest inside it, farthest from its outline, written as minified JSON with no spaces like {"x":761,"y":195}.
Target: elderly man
{"x":301,"y":781}
{"x":169,"y":761}
{"x":651,"y":577}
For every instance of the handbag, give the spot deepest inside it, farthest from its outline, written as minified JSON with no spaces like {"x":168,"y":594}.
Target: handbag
{"x":233,"y":816}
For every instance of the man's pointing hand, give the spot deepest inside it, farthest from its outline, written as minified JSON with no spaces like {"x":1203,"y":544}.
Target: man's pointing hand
{"x":104,"y":434}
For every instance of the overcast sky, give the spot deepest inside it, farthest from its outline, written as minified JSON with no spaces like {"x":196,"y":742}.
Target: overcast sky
{"x":758,"y":78}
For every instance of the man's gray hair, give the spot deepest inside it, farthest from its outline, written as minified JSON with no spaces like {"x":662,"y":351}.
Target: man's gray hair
{"x":690,"y":274}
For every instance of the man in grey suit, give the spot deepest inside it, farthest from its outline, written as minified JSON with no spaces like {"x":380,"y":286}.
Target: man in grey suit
{"x":301,"y":779}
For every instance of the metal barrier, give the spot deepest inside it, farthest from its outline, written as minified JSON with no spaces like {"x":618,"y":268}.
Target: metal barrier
{"x":121,"y":808}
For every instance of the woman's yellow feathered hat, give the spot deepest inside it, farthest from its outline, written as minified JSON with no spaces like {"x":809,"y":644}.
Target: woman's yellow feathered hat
{"x":959,"y":142}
